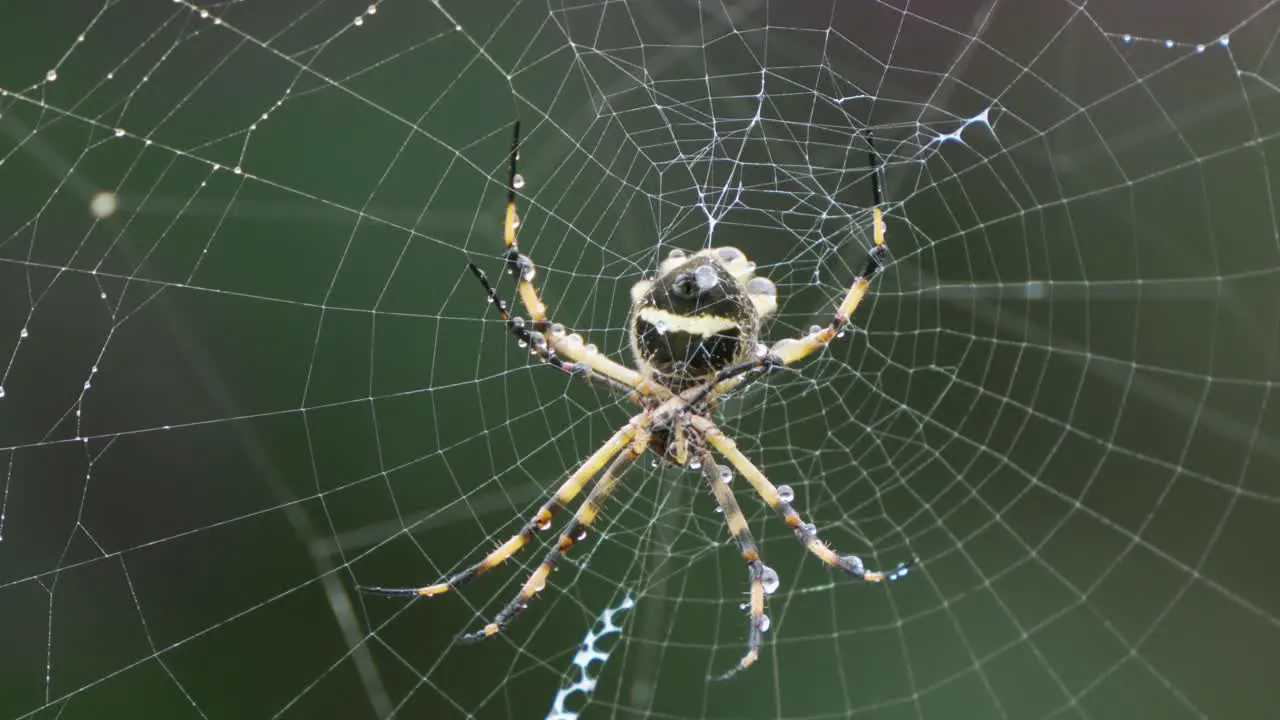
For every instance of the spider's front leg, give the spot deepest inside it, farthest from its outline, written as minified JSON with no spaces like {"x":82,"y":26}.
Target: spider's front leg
{"x":792,"y":350}
{"x":550,"y":340}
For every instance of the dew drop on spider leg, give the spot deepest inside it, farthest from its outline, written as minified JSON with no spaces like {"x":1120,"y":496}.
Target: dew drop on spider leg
{"x":726,"y":475}
{"x":764,"y":623}
{"x":581,"y":534}
{"x":557,"y":329}
{"x":815,"y":329}
{"x":786,"y":493}
{"x":853,"y":563}
{"x":517,"y":182}
{"x":695,"y":465}
{"x":769,"y":579}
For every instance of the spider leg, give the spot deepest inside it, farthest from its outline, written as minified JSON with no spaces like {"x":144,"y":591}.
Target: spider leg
{"x":807,"y":533}
{"x":733,"y":517}
{"x":540,"y":521}
{"x":522,"y":268}
{"x":536,"y":340}
{"x":575,"y":532}
{"x":793,"y":350}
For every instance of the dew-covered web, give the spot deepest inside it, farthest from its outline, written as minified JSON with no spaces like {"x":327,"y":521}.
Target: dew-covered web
{"x":244,"y":371}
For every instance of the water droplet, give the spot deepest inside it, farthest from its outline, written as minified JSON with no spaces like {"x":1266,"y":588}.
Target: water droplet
{"x":581,"y":534}
{"x":769,"y":578}
{"x":557,"y":329}
{"x":373,"y":10}
{"x":761,"y":350}
{"x":517,"y":323}
{"x":726,"y":475}
{"x":660,"y":328}
{"x":359,"y":20}
{"x":730,"y":254}
{"x":538,"y":339}
{"x":590,"y":350}
{"x":676,"y":254}
{"x":119,"y":132}
{"x":518,"y":181}
{"x":853,"y":563}
{"x":542,"y":524}
{"x":815,"y":329}
{"x":762,"y":286}
{"x":706,"y":278}
{"x":522,"y":343}
{"x":764,"y":623}
{"x":719,"y":510}
{"x":51,"y":75}
{"x":574,"y":339}
{"x":786,"y":494}
{"x":695,"y":465}
{"x":1,"y":391}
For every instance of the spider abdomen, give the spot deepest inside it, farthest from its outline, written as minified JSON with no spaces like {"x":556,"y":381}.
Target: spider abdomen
{"x":695,"y":319}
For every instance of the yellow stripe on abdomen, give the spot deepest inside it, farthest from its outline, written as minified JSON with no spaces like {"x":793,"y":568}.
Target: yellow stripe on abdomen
{"x":703,"y":325}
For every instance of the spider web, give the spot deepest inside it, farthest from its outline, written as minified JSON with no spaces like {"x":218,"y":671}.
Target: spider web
{"x":243,"y":369}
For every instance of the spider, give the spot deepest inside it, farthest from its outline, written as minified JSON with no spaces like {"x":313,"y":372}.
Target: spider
{"x":694,"y":331}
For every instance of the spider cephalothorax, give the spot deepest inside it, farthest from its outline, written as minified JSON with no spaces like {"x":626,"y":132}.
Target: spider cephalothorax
{"x":700,"y":315}
{"x":695,"y":333}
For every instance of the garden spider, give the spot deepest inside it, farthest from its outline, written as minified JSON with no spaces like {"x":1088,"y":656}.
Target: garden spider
{"x":694,"y":332}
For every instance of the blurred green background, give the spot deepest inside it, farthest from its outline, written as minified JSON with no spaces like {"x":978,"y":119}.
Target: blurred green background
{"x":266,"y":377}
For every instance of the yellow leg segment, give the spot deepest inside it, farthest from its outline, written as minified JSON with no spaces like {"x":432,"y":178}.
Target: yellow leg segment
{"x":574,"y":533}
{"x":737,"y":522}
{"x":807,"y":533}
{"x":540,"y":521}
{"x":569,"y":347}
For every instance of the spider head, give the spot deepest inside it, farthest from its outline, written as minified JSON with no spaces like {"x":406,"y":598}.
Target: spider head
{"x":702,"y":313}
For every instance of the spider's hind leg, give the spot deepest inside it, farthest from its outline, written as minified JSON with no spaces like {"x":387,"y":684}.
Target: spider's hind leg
{"x":762,"y":579}
{"x":806,"y":533}
{"x":540,"y":521}
{"x":575,"y":532}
